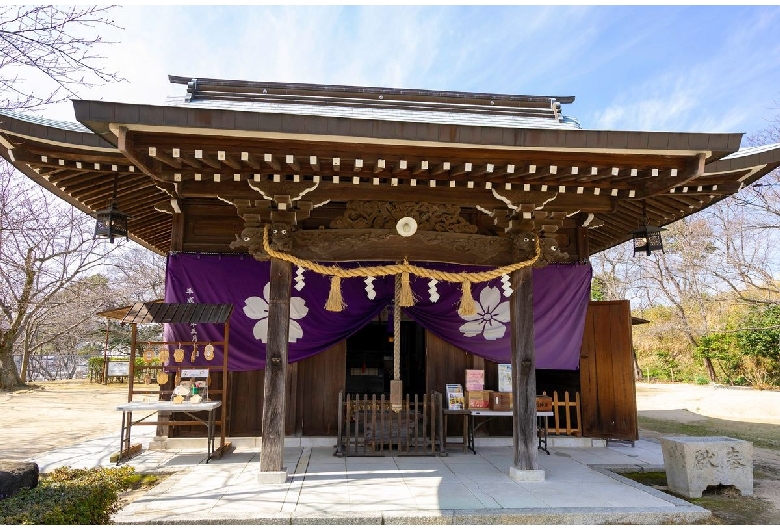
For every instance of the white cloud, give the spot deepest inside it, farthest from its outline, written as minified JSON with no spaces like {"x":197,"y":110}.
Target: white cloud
{"x":716,"y":90}
{"x":594,"y":53}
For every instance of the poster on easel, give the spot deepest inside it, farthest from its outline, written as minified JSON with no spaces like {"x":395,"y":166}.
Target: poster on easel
{"x":504,"y":377}
{"x":475,"y":380}
{"x":455,"y":399}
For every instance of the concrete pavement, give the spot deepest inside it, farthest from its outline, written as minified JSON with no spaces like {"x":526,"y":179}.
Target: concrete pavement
{"x":456,"y":489}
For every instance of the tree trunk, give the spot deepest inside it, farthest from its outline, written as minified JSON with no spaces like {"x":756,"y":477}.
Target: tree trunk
{"x":523,"y":370}
{"x":272,"y":449}
{"x":25,"y":359}
{"x":710,"y":369}
{"x":637,"y":370}
{"x":9,"y":375}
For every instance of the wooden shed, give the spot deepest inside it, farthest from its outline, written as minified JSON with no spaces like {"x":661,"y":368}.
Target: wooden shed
{"x":254,"y":189}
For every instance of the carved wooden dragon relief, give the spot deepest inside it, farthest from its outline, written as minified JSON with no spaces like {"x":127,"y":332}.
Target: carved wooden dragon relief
{"x":379,"y":214}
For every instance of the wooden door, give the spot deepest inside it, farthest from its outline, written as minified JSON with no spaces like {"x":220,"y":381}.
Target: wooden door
{"x":608,"y":391}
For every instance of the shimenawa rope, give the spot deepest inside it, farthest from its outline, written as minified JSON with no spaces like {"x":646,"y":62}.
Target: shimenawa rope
{"x":336,"y":303}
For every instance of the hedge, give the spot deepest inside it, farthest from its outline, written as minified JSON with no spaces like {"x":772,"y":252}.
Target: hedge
{"x":70,"y":496}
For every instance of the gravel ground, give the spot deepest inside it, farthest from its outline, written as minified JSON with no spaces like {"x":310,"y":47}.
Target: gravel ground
{"x":65,"y":412}
{"x":56,"y":414}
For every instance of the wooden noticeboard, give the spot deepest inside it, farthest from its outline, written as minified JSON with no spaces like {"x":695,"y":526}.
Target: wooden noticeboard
{"x":118,"y":369}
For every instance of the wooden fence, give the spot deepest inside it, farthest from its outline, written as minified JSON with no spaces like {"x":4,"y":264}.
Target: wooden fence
{"x":567,"y":418}
{"x":367,"y":426}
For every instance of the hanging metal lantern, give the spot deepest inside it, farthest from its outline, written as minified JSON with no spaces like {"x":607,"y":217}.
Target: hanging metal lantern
{"x":111,"y":222}
{"x":647,"y":238}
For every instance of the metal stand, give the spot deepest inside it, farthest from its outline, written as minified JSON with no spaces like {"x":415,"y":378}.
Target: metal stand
{"x":541,"y":422}
{"x":165,"y":406}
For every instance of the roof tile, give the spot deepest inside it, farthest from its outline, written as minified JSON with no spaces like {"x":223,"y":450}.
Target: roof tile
{"x":597,"y":139}
{"x":100,"y":112}
{"x":679,"y":141}
{"x":491,"y":135}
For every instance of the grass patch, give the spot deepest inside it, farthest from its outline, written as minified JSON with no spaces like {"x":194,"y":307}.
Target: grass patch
{"x":727,"y":505}
{"x":761,"y":434}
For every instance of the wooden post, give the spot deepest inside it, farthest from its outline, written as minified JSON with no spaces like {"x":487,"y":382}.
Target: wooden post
{"x":523,"y":371}
{"x":105,"y":354}
{"x":272,"y":451}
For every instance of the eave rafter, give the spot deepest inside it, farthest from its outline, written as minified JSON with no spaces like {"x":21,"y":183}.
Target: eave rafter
{"x":504,"y":189}
{"x":231,"y":159}
{"x":84,"y":177}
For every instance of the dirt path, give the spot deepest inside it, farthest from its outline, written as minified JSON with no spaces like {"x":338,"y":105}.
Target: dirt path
{"x":56,"y":414}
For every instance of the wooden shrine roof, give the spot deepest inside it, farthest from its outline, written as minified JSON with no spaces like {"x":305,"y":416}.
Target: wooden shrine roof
{"x":244,"y":143}
{"x":118,"y":313}
{"x":161,"y":313}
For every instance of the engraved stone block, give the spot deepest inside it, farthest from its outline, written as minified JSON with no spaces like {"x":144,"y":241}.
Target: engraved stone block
{"x":694,"y":462}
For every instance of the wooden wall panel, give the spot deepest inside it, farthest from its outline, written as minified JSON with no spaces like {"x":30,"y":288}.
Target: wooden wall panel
{"x":313,"y":387}
{"x":246,"y":405}
{"x":445,"y":364}
{"x":209,"y":226}
{"x":320,"y":379}
{"x":606,"y":372}
{"x":623,"y":370}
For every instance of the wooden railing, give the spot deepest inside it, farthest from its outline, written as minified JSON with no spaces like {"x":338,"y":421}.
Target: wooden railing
{"x":369,"y":427}
{"x":566,"y":421}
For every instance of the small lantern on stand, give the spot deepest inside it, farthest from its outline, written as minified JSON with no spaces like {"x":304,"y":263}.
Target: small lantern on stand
{"x":647,"y":238}
{"x":111,"y":222}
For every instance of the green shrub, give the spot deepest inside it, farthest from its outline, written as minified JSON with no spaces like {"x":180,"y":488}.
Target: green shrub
{"x":701,"y":380}
{"x":69,"y":496}
{"x":95,"y":369}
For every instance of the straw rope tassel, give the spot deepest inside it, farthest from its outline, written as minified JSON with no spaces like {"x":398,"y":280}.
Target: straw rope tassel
{"x":467,"y":305}
{"x":396,"y":386}
{"x":335,"y":301}
{"x":405,"y":297}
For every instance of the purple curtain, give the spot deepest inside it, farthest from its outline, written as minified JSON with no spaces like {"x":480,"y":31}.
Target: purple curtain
{"x":560,"y":300}
{"x":561,"y":294}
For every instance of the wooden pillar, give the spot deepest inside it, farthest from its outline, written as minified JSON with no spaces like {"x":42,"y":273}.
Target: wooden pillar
{"x":583,"y":242}
{"x":272,"y":450}
{"x":523,"y":371}
{"x":177,"y":230}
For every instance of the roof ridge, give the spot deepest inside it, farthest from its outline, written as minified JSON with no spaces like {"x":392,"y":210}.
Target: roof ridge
{"x":196,"y":85}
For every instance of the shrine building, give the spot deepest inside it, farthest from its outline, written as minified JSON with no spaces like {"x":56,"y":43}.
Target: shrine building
{"x":375,"y":243}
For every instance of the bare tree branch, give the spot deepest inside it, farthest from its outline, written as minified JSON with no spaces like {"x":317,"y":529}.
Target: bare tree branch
{"x":55,"y":46}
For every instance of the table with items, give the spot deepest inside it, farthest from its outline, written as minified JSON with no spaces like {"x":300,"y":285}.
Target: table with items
{"x":153,"y":407}
{"x":486,"y":415}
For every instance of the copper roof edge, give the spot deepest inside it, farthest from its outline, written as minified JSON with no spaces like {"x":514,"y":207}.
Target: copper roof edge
{"x":97,"y":115}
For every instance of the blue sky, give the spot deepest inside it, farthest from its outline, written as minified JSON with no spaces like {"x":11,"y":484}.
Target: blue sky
{"x":658,"y":68}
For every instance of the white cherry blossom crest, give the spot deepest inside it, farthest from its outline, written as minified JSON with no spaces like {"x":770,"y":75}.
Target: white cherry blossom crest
{"x":490,"y":317}
{"x":256,"y":308}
